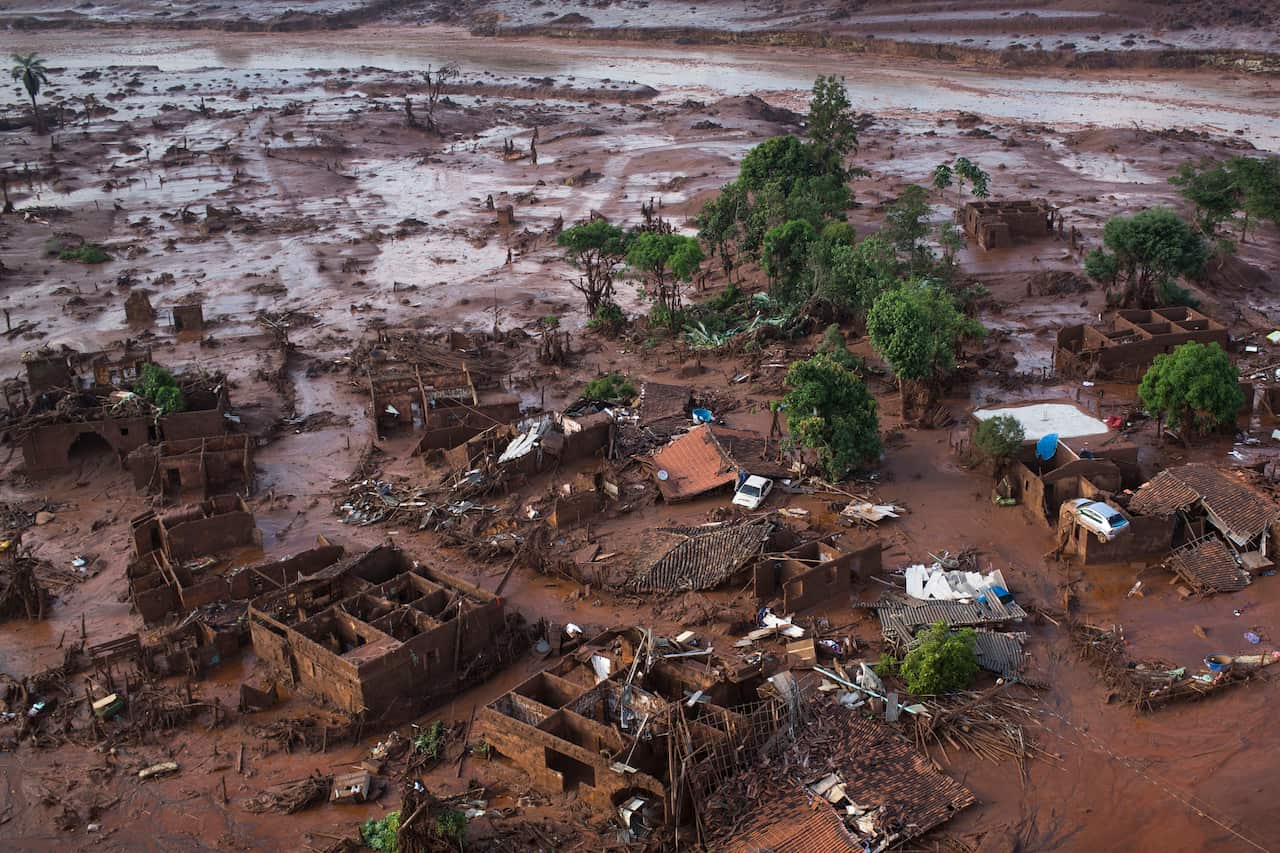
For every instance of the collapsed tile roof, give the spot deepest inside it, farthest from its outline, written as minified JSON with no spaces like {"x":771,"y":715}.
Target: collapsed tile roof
{"x":664,"y":406}
{"x":693,"y":464}
{"x":1235,"y":509}
{"x":787,"y":823}
{"x":1209,"y":566}
{"x":703,"y":561}
{"x":879,"y":770}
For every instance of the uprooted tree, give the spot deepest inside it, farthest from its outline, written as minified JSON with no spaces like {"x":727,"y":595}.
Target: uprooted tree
{"x":1144,"y":254}
{"x":1195,"y":388}
{"x":595,"y":248}
{"x":918,"y":330}
{"x":830,"y":411}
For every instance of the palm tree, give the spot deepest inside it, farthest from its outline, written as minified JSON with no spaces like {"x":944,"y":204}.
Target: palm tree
{"x":30,"y":69}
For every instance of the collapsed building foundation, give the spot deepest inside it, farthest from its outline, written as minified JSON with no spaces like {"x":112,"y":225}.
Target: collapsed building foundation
{"x":636,"y":729}
{"x":381,"y":633}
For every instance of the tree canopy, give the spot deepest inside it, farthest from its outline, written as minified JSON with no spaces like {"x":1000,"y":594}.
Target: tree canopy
{"x":663,"y":261}
{"x":917,"y":329}
{"x":785,"y":251}
{"x":999,"y":437}
{"x":830,"y":410}
{"x":831,"y":127}
{"x":595,"y":248}
{"x":1243,"y":187}
{"x":1195,"y":388}
{"x":1144,"y":253}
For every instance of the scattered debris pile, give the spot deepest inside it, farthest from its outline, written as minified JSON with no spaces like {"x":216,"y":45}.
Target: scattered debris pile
{"x":290,"y":797}
{"x":1150,"y":685}
{"x":21,"y":594}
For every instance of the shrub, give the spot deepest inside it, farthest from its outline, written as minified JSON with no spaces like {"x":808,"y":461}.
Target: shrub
{"x":610,"y":388}
{"x":943,"y":662}
{"x":999,"y":437}
{"x":431,"y":742}
{"x":382,"y":834}
{"x":607,"y":316}
{"x":159,"y":387}
{"x":452,"y":826}
{"x":82,"y":252}
{"x":832,"y":345}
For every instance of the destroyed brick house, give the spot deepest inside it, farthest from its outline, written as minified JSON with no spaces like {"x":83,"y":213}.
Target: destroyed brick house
{"x":710,"y":458}
{"x":172,"y":570}
{"x":1127,"y":344}
{"x":447,"y":395}
{"x":379,"y":633}
{"x":1000,"y":224}
{"x":1223,"y":529}
{"x":1090,"y":460}
{"x":628,"y":723}
{"x":814,"y":573}
{"x":81,"y":404}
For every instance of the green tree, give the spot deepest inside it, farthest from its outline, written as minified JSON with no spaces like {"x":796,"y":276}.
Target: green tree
{"x":851,"y":277}
{"x":596,"y":248}
{"x":1195,"y":388}
{"x":943,"y":661}
{"x":784,"y":159}
{"x":906,"y":223}
{"x":918,"y":329}
{"x":952,"y":240}
{"x":783,"y":257}
{"x":663,"y":261}
{"x":999,"y":438}
{"x":1144,"y":251}
{"x":967,"y":170}
{"x":1212,"y":189}
{"x":1258,"y":181}
{"x":29,"y":68}
{"x":943,"y":177}
{"x":831,"y":126}
{"x":720,"y":222}
{"x":830,"y":411}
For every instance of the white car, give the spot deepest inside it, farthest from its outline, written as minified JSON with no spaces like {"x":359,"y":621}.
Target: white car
{"x":753,"y":491}
{"x":1100,"y":518}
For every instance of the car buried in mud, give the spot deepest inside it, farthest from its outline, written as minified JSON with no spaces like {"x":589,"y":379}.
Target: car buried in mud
{"x":753,"y":492}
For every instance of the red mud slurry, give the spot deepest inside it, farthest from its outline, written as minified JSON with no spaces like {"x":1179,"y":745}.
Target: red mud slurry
{"x":339,"y":201}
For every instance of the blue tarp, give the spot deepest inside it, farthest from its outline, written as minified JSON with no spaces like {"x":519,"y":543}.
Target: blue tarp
{"x":1047,"y":447}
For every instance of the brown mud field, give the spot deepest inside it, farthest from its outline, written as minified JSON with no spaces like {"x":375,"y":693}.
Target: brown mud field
{"x":276,"y":178}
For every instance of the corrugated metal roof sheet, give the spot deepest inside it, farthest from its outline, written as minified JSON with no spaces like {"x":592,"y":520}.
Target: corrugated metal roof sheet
{"x":897,"y":618}
{"x":1233,"y":507}
{"x":1210,"y":566}
{"x":695,"y":464}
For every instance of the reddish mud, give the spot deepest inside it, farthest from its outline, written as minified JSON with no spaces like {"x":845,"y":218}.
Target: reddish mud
{"x":351,"y":220}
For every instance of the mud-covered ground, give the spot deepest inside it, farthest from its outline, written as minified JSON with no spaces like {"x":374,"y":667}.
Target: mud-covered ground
{"x":329,"y":208}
